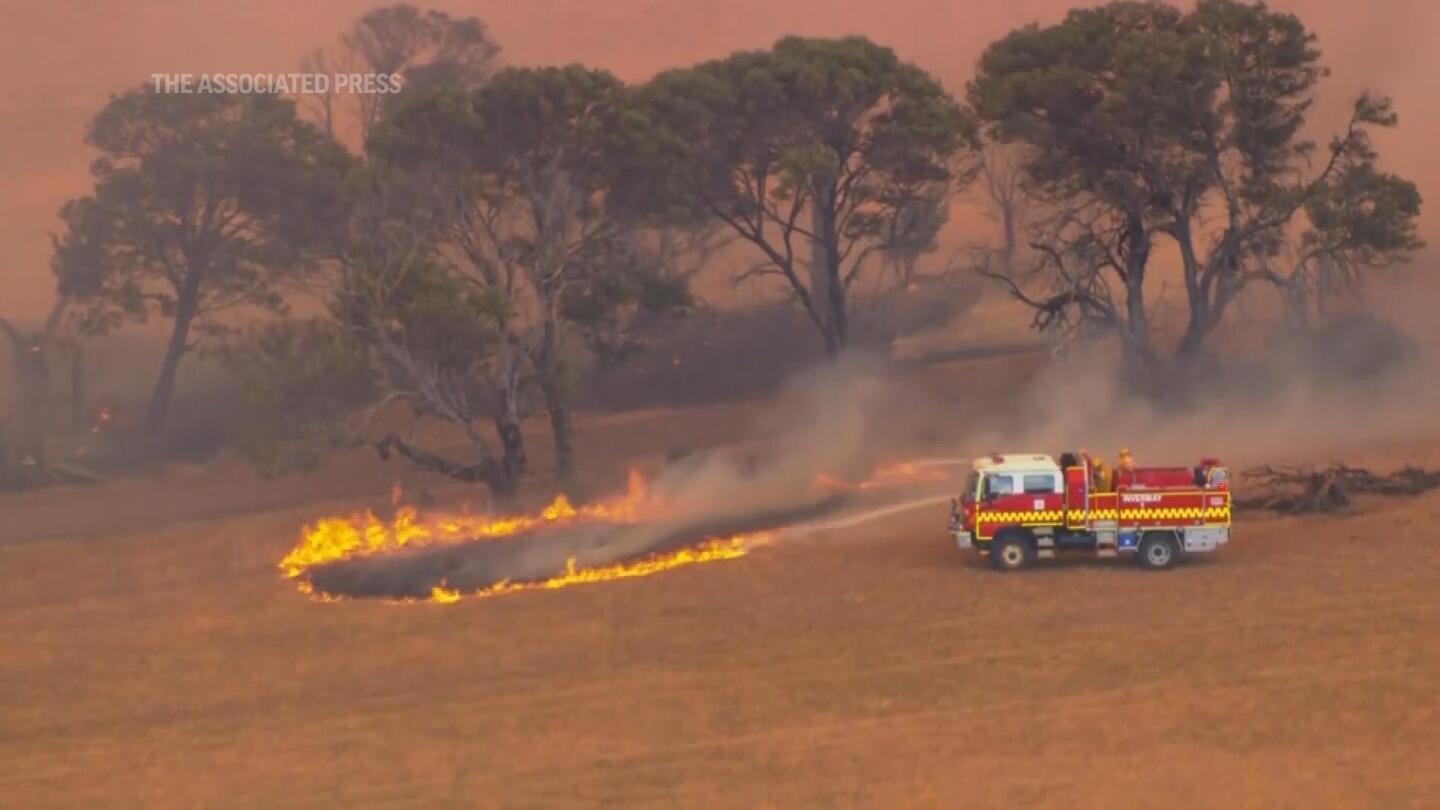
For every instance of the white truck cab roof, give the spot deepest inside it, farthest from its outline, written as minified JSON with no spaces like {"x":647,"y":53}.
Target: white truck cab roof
{"x":1015,"y":462}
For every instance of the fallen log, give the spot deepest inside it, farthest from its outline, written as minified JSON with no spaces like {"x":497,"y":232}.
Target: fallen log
{"x":1296,"y":490}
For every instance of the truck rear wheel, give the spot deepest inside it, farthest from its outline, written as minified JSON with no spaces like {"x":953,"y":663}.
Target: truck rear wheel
{"x":1011,"y":552}
{"x":1158,"y":550}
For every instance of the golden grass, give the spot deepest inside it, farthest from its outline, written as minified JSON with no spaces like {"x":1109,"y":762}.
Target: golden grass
{"x":874,"y":668}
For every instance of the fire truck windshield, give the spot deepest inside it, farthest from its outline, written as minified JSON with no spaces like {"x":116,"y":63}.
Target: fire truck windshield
{"x":997,"y":484}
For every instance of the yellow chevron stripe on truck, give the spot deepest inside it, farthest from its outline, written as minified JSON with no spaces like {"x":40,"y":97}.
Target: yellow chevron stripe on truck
{"x":1020,"y":517}
{"x":1210,"y":514}
{"x":1207,"y":513}
{"x":1177,"y":513}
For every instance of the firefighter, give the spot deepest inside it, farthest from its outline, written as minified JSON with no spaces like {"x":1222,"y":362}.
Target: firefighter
{"x":1104,"y":477}
{"x":1098,"y":473}
{"x":1124,"y":468}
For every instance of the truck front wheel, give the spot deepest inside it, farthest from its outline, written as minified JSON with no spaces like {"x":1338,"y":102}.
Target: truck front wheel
{"x":1158,"y":550}
{"x":1010,"y":552}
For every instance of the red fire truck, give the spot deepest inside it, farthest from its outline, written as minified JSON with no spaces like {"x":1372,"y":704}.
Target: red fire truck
{"x":1017,"y":508}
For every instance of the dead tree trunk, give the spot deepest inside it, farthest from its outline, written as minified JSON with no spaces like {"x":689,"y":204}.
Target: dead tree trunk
{"x":30,"y":359}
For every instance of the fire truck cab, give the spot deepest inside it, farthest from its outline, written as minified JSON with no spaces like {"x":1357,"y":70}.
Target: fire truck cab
{"x":1017,"y":508}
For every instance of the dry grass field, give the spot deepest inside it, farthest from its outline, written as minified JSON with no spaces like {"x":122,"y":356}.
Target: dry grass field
{"x":167,"y":665}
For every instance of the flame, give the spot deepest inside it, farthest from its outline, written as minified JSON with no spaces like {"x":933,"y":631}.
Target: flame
{"x":335,"y":538}
{"x":886,"y":475}
{"x":722,"y":548}
{"x":308,"y":588}
{"x":712,"y":550}
{"x":444,"y":595}
{"x":338,"y":538}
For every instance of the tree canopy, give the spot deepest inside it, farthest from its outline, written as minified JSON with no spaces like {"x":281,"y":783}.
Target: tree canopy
{"x":203,"y":203}
{"x":502,"y":226}
{"x":1143,"y":122}
{"x":524,"y":173}
{"x":426,"y":48}
{"x":840,"y":130}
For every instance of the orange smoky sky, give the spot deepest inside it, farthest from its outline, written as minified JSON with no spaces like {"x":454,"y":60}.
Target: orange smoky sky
{"x":60,"y":60}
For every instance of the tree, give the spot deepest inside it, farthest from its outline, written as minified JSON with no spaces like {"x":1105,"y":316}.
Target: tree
{"x":1003,"y":176}
{"x":426,"y":48}
{"x":434,"y":339}
{"x":523,"y":172}
{"x":1139,"y":121}
{"x":203,"y":204}
{"x":912,"y":232}
{"x":839,"y":129}
{"x":30,"y":353}
{"x":547,"y":150}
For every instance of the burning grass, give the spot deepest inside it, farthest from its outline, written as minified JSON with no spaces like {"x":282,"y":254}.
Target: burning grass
{"x":445,"y":557}
{"x":335,"y":538}
{"x":339,"y":539}
{"x":713,"y":550}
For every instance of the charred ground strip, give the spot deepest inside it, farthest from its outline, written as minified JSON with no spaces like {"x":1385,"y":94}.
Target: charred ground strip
{"x":536,"y":556}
